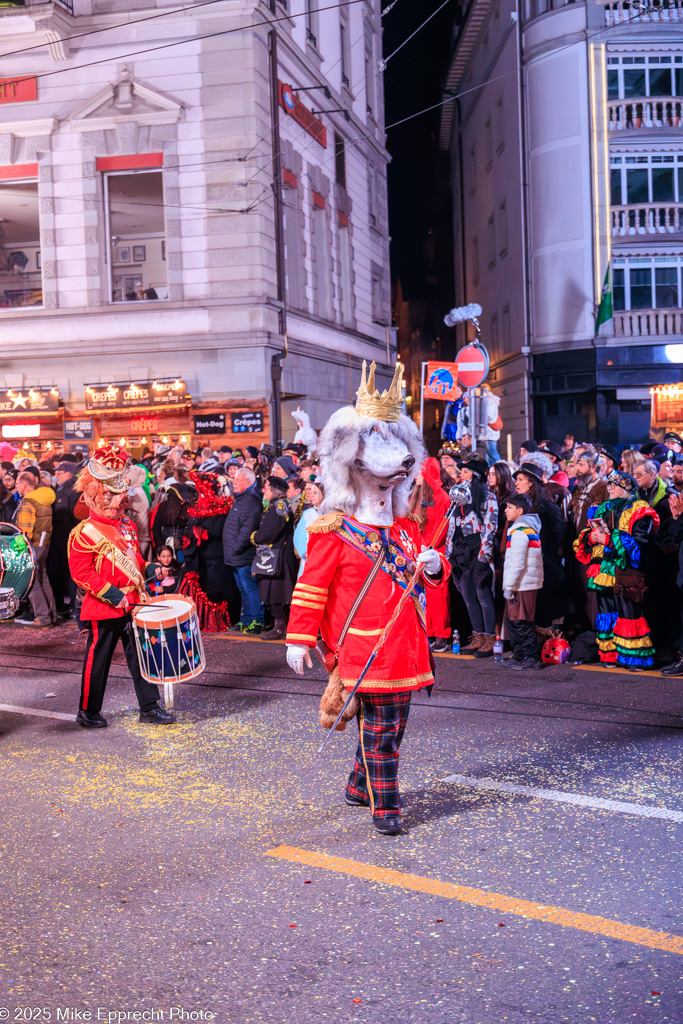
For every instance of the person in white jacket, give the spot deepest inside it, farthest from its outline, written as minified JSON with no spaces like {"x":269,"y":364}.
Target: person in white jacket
{"x":490,"y":418}
{"x":522,"y":579}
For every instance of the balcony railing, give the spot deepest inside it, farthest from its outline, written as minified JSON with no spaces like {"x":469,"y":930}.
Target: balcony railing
{"x":648,"y":323}
{"x":647,"y":219}
{"x":662,"y":12}
{"x":662,"y":112}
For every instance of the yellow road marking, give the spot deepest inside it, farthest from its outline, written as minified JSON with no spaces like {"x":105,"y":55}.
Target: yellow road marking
{"x":482,"y":898}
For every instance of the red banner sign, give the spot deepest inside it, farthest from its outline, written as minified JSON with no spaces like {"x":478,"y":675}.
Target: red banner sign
{"x":441,"y":381}
{"x":301,"y":114}
{"x":22,"y":89}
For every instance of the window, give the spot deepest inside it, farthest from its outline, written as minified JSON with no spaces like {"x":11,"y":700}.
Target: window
{"x":346,"y":277}
{"x":656,"y":178}
{"x":618,"y":291}
{"x":641,"y":288}
{"x":502,"y":228}
{"x":340,"y":160}
{"x":322,"y":268}
{"x":648,"y":75}
{"x":378,"y":303}
{"x":662,"y":185}
{"x":376,"y":197}
{"x":135,"y":208}
{"x":369,"y":80}
{"x":666,"y":288}
{"x":312,"y":22}
{"x":293,"y":232}
{"x":344,"y":50}
{"x":21,"y":279}
{"x":636,"y":187}
{"x":615,"y":187}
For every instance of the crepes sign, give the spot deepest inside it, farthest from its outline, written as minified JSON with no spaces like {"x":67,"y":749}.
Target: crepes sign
{"x":136,"y":394}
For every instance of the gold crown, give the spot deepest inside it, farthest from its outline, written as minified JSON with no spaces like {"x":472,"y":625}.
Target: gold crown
{"x":386,"y":406}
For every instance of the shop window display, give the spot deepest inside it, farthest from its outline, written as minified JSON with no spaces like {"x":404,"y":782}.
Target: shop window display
{"x":135,"y":204}
{"x":21,"y":279}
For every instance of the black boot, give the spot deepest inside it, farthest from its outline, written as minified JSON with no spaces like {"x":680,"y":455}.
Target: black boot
{"x":278,"y":631}
{"x":673,"y":670}
{"x":388,"y":826}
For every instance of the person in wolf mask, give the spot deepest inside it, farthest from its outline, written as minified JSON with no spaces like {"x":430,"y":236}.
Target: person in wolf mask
{"x":365,"y":538}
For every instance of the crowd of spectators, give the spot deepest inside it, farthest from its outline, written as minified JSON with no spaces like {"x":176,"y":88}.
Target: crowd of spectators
{"x":202,"y":514}
{"x":579,"y":538}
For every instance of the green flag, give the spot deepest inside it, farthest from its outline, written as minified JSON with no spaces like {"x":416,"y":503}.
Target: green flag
{"x":604,"y":325}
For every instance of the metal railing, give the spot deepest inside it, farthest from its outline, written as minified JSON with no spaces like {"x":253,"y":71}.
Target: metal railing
{"x":658,"y":11}
{"x":648,"y":323}
{"x":647,"y":219}
{"x":648,"y":112}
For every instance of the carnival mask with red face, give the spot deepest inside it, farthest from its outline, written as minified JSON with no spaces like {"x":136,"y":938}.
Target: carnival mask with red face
{"x":104,"y":487}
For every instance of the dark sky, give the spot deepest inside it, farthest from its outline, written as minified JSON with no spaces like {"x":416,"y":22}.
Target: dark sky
{"x":413,"y":80}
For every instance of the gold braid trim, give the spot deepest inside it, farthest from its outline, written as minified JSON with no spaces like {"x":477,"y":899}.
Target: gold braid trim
{"x":327,"y":524}
{"x":412,"y":517}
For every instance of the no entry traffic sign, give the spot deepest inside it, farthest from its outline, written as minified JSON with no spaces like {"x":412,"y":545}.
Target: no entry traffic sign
{"x":473,"y":365}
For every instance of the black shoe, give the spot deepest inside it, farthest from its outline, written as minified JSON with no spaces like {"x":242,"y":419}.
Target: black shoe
{"x":278,"y":631}
{"x":388,"y":826}
{"x":511,"y":663}
{"x":237,"y":628}
{"x":352,"y":802}
{"x":440,"y":646}
{"x":157,"y":716}
{"x":91,"y":719}
{"x":676,"y":669}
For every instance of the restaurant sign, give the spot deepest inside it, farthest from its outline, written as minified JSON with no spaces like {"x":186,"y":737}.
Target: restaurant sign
{"x":84,"y":429}
{"x":249,"y":422}
{"x":667,"y":406}
{"x":137,"y":394}
{"x":20,"y":89}
{"x":22,"y":401}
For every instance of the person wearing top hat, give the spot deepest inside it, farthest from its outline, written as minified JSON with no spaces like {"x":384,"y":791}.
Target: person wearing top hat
{"x":673,"y":441}
{"x":557,"y":485}
{"x":469,"y":548}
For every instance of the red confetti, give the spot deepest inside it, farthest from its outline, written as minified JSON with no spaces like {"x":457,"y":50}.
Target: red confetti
{"x":439,"y":920}
{"x":501,"y":925}
{"x":358,"y":1000}
{"x":656,"y":993}
{"x":292,"y":926}
{"x":307,"y":882}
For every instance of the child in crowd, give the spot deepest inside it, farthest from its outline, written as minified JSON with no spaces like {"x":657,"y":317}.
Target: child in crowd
{"x":168,"y":584}
{"x":522,"y":579}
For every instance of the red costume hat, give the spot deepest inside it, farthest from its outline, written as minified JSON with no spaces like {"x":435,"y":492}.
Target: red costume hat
{"x":209,"y":503}
{"x":431,"y":472}
{"x":107,"y":465}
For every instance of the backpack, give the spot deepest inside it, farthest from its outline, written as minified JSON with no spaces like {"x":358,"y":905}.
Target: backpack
{"x":585,"y":648}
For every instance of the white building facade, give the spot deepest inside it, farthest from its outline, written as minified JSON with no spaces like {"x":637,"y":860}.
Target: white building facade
{"x":190,"y":200}
{"x":566,"y":144}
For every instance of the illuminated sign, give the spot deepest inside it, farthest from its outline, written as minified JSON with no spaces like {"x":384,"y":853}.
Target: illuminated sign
{"x":301,"y":114}
{"x":18,"y":431}
{"x":23,"y":401}
{"x":135,"y":395}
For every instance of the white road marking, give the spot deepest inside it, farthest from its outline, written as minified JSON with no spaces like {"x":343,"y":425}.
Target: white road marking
{"x":567,"y":798}
{"x":37,"y":711}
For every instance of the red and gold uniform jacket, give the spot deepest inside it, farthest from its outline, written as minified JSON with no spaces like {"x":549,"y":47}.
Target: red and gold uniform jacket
{"x":105,"y":561}
{"x":340,"y":555}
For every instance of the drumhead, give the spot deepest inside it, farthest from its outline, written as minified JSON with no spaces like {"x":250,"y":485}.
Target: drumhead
{"x":165,"y":611}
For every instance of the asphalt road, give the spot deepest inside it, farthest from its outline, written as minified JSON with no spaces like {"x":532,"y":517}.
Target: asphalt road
{"x":211,"y":871}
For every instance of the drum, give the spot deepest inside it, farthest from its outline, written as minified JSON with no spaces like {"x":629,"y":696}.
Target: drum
{"x":8,"y":603}
{"x":17,"y":561}
{"x":169,"y":642}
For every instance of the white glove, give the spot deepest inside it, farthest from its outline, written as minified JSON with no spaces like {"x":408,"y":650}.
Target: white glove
{"x":432,"y":562}
{"x":297,"y":656}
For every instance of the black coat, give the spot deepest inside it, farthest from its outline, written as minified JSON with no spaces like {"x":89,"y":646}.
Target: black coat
{"x":204,"y":555}
{"x":243,"y":519}
{"x":277,"y":530}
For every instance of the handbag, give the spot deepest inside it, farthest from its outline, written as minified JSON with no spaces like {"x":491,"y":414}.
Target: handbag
{"x":267,"y":561}
{"x":630,"y":584}
{"x":329,"y":657}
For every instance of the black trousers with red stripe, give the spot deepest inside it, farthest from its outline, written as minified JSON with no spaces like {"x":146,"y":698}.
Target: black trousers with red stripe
{"x":103,"y":637}
{"x":374,"y":777}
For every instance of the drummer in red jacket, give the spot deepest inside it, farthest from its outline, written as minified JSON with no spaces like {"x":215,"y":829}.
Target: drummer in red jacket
{"x":105,"y":562}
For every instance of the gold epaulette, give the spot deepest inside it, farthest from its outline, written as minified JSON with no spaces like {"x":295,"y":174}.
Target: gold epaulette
{"x":330,"y":523}
{"x":412,"y":517}
{"x":75,"y":535}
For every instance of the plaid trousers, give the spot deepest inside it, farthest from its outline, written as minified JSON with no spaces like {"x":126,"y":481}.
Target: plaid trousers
{"x":374,"y":776}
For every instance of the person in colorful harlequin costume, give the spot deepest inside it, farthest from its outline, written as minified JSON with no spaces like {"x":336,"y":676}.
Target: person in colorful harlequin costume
{"x":105,"y":562}
{"x":614,"y":547}
{"x":369,"y":457}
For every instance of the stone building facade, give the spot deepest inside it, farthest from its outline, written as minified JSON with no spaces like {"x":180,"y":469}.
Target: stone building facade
{"x":186,"y":194}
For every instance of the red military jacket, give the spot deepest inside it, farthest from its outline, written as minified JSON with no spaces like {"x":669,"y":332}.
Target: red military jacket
{"x":105,"y":561}
{"x":341,"y":552}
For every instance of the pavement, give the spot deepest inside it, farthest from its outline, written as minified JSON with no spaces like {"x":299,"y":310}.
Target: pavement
{"x":210,"y":870}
